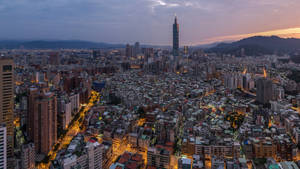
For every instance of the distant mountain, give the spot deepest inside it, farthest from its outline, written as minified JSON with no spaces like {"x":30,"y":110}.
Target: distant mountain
{"x":259,"y":45}
{"x":55,"y":44}
{"x":210,"y":45}
{"x":65,"y":44}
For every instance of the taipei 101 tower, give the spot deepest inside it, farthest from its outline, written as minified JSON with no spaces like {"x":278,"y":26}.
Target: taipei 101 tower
{"x":175,"y":38}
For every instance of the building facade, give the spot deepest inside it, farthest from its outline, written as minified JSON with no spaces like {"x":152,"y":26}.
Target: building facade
{"x":28,"y":156}
{"x":6,"y":101}
{"x":264,"y":90}
{"x":3,"y":147}
{"x":42,"y":123}
{"x":175,"y":38}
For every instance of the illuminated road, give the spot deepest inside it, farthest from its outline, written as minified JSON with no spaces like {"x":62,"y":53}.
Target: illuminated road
{"x":73,"y":130}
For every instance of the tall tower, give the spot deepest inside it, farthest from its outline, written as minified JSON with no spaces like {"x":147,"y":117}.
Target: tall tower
{"x":175,"y":38}
{"x":6,"y":101}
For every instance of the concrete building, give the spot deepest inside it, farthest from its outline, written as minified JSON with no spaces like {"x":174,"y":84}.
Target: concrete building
{"x":184,"y":163}
{"x":75,"y":102}
{"x":264,"y":90}
{"x":91,"y":157}
{"x":158,"y":157}
{"x":64,"y":110}
{"x":3,"y":147}
{"x":6,"y":101}
{"x":94,"y":154}
{"x":42,"y":123}
{"x":137,"y":49}
{"x":129,"y":51}
{"x":28,"y":156}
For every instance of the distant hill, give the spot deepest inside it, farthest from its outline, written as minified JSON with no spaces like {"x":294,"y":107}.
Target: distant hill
{"x":65,"y":44}
{"x":259,"y":45}
{"x":210,"y":45}
{"x":71,"y":44}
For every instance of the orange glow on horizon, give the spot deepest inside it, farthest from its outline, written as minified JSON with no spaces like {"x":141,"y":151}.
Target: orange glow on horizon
{"x":283,"y":33}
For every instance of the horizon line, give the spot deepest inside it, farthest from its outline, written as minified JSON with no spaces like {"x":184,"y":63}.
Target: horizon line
{"x":282,"y":33}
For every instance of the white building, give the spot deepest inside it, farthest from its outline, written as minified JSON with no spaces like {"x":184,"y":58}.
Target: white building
{"x":94,"y":154}
{"x":3,"y":148}
{"x":75,"y":102}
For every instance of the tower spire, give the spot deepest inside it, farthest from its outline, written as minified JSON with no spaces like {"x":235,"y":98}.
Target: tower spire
{"x":175,"y":37}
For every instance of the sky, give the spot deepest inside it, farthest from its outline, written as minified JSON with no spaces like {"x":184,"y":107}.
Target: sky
{"x":147,"y":21}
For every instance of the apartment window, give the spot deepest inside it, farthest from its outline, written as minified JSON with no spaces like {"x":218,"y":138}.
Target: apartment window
{"x":7,"y":68}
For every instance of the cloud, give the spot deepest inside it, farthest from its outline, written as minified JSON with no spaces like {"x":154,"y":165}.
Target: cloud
{"x":148,"y":21}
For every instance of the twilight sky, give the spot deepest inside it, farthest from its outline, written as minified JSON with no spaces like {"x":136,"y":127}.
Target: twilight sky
{"x":148,"y":21}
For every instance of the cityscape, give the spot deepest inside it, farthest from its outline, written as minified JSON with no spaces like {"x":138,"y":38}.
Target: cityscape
{"x":72,"y":104}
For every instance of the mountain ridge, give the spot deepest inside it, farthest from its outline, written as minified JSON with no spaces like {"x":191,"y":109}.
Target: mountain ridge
{"x":259,"y":45}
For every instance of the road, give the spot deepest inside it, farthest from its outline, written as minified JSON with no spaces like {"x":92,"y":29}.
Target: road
{"x":73,"y":130}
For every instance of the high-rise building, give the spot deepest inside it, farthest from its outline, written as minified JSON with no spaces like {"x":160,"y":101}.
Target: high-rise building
{"x":42,"y":119}
{"x":184,"y":163}
{"x":175,"y":38}
{"x":28,"y":156}
{"x":129,"y":51}
{"x":186,"y":50}
{"x":157,"y":157}
{"x":137,"y":49}
{"x":64,"y":111}
{"x":54,"y":58}
{"x":6,"y":100}
{"x":3,"y":148}
{"x":264,"y":90}
{"x":148,"y":53}
{"x":94,"y":154}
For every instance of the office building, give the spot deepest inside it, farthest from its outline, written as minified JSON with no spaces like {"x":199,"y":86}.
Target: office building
{"x":137,"y":49}
{"x":6,"y":100}
{"x":129,"y":51}
{"x":42,"y":123}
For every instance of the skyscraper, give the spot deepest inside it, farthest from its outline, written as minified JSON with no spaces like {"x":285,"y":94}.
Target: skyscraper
{"x":129,"y":51}
{"x":6,"y":100}
{"x":137,"y":49}
{"x":42,"y":123}
{"x":175,"y":38}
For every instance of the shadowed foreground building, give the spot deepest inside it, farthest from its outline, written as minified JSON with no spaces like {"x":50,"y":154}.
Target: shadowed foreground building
{"x":7,"y":102}
{"x":264,"y":90}
{"x":3,"y":156}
